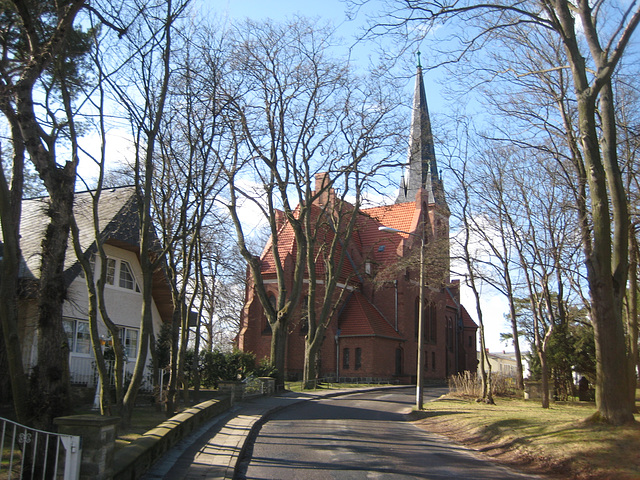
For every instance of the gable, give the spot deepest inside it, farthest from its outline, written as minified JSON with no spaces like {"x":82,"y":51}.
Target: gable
{"x":359,"y":318}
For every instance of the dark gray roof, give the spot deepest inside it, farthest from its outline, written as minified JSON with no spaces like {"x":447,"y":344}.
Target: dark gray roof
{"x":421,"y":170}
{"x":117,"y":219}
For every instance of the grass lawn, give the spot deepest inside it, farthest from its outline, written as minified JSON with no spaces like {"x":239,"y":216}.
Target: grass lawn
{"x":556,"y":441}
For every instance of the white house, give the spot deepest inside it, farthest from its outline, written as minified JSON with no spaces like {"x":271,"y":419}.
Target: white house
{"x":120,"y":228}
{"x":503,"y":363}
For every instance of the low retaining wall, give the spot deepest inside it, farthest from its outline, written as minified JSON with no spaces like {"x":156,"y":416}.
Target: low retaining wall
{"x":132,"y":461}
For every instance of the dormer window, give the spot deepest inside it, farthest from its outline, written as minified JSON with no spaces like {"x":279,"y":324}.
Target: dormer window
{"x":111,"y":271}
{"x":127,"y":279}
{"x":120,"y":269}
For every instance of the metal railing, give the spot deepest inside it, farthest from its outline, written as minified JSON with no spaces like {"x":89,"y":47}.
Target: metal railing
{"x":252,"y":387}
{"x":27,"y":453}
{"x":83,"y":371}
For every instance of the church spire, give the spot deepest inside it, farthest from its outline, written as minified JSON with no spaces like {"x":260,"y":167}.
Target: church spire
{"x":422,"y":169}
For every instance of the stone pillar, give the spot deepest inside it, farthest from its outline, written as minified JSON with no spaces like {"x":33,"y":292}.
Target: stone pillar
{"x":98,"y":442}
{"x":532,"y":390}
{"x":233,"y":388}
{"x":268,"y":385}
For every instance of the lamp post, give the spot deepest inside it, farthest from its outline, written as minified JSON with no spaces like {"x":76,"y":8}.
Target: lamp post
{"x":419,"y":379}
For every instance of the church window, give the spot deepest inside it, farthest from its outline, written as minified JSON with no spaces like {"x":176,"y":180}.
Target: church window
{"x":433,"y":360}
{"x":398,"y":361}
{"x":434,"y":324}
{"x":358,"y":363}
{"x":345,"y":358}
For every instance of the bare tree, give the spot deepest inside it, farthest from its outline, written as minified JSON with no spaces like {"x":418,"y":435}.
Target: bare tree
{"x":594,"y":48}
{"x":41,"y":53}
{"x":141,"y":86}
{"x":301,"y":121}
{"x":188,"y":182}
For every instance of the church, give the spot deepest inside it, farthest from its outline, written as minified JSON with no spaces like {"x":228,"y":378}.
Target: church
{"x":374,"y":333}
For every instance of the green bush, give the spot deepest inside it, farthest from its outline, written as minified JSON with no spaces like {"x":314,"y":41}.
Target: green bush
{"x":217,"y":366}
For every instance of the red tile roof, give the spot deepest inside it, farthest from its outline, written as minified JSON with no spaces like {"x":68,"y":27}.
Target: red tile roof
{"x":287,"y":246}
{"x":382,"y":248}
{"x":360,"y":318}
{"x":467,"y":321}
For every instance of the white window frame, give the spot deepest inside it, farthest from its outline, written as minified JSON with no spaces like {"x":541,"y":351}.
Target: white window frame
{"x":125,"y":268}
{"x":72,"y":327}
{"x":130,"y":350}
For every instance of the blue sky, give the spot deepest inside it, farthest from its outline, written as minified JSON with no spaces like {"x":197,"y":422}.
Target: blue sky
{"x":334,"y":10}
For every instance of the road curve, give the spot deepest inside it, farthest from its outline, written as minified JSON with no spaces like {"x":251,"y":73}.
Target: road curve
{"x":360,"y":436}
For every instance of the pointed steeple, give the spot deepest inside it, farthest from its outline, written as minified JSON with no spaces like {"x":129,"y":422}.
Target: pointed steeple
{"x":422,"y":169}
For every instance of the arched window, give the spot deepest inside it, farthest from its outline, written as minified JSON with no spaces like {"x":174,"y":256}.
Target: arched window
{"x":433,"y":333}
{"x":399,"y":361}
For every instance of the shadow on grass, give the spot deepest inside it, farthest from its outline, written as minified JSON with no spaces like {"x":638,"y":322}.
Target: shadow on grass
{"x":415,"y":415}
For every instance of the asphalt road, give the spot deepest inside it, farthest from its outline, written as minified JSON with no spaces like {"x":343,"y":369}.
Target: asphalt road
{"x":360,"y":436}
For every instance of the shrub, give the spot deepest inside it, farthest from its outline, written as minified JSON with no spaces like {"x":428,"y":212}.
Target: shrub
{"x":469,"y":384}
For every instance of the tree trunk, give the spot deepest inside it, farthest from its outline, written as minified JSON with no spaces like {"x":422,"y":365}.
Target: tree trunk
{"x":544,"y":371}
{"x":310,"y":365}
{"x":172,"y":388}
{"x":516,"y":343}
{"x":632,"y":318}
{"x":278,"y":351}
{"x":50,"y":379}
{"x":10,"y":212}
{"x":607,"y":262}
{"x":9,"y":315}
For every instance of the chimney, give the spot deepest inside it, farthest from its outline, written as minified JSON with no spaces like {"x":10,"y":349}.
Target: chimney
{"x":322,"y":184}
{"x":279,"y":218}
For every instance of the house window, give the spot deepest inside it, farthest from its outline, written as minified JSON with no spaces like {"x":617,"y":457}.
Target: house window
{"x":345,"y":358}
{"x":111,"y":271}
{"x":470,"y":341}
{"x":78,"y":336}
{"x":129,"y":338}
{"x":127,"y":280}
{"x":92,"y":263}
{"x":358,"y":358}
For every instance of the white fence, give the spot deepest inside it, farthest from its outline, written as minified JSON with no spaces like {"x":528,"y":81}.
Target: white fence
{"x":83,"y":371}
{"x":27,"y":453}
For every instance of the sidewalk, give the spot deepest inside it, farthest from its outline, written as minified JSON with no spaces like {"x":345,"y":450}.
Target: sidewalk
{"x":213,"y":451}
